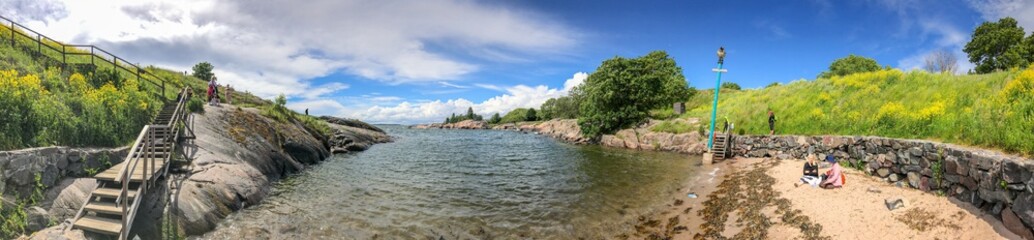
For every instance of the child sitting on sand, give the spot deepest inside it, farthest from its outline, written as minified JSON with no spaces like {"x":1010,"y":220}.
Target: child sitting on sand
{"x":834,"y":178}
{"x":811,"y":172}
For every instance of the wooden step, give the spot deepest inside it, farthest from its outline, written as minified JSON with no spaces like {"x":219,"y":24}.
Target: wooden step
{"x":104,"y":207}
{"x":113,"y":193}
{"x":100,"y":224}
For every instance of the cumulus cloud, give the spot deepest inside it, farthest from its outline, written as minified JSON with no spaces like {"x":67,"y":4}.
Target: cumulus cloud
{"x":33,"y":10}
{"x":270,"y":47}
{"x":992,"y":10}
{"x":519,"y":96}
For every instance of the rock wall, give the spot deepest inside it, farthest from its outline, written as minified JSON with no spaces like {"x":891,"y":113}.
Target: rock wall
{"x":18,"y":169}
{"x":997,"y":183}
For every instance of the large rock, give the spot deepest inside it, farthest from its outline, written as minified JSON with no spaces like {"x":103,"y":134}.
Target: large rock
{"x":70,"y":195}
{"x":236,"y":157}
{"x":913,"y":179}
{"x":1024,"y":208}
{"x":466,"y":124}
{"x":1015,"y":225}
{"x":37,"y":219}
{"x":883,"y":172}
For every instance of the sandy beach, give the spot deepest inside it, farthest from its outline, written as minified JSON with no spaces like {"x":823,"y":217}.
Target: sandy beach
{"x":752,"y":198}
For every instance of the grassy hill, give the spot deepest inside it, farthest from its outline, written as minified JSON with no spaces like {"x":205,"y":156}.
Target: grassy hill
{"x":96,"y":105}
{"x":993,"y":110}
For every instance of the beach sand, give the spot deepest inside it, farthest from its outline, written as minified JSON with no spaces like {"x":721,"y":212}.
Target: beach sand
{"x":765,"y":195}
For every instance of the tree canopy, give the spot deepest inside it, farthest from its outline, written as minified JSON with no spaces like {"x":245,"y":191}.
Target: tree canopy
{"x":203,"y":71}
{"x":999,"y":46}
{"x":731,"y":85}
{"x":621,"y":91}
{"x":850,"y":64}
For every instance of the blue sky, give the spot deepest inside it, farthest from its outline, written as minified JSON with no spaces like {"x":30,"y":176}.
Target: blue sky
{"x":419,"y":61}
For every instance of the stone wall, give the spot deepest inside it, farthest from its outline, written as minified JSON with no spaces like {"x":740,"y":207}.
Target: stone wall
{"x":18,"y":168}
{"x":997,"y":183}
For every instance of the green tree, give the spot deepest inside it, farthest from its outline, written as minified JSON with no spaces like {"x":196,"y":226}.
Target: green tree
{"x":516,"y":115}
{"x":495,"y":118}
{"x":621,"y":91}
{"x":531,"y":115}
{"x":849,"y":65}
{"x":203,"y":71}
{"x":730,"y":85}
{"x":999,"y":46}
{"x":470,"y":112}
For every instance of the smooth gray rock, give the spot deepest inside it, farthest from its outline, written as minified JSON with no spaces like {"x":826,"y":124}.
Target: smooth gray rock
{"x":894,"y":203}
{"x":1014,"y":224}
{"x":913,"y":179}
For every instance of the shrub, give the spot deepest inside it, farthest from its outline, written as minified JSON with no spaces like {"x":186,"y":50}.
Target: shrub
{"x":849,"y":65}
{"x":196,"y":105}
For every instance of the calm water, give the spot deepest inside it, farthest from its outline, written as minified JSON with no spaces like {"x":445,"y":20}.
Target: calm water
{"x":466,"y":184}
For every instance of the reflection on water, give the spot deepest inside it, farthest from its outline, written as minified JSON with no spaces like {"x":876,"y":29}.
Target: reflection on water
{"x":465,"y":184}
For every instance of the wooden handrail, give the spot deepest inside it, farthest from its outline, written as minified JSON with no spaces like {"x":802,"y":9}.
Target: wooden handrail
{"x":139,"y":72}
{"x":132,"y":151}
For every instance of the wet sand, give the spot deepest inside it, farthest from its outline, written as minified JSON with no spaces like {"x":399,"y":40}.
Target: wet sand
{"x":753,"y":198}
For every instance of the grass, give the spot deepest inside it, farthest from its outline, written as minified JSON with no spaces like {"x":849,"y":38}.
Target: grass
{"x":993,"y":110}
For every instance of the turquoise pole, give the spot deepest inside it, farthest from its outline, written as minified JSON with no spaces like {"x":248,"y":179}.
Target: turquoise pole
{"x":714,"y":109}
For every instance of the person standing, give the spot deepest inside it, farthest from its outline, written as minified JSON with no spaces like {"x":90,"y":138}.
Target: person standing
{"x":771,"y":122}
{"x":213,"y":91}
{"x":229,"y":92}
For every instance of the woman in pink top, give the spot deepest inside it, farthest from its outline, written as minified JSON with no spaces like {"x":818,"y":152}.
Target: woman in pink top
{"x":834,"y":178}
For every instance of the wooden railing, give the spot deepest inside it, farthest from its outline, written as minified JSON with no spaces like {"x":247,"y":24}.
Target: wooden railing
{"x":44,"y":43}
{"x":146,"y":148}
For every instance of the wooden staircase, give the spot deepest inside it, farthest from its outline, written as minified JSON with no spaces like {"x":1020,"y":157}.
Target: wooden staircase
{"x":112,"y":206}
{"x":721,"y":146}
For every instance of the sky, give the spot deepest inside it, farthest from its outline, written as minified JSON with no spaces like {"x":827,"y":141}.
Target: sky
{"x":387,"y":61}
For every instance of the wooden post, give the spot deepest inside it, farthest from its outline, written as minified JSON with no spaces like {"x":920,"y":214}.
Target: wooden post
{"x":39,"y":45}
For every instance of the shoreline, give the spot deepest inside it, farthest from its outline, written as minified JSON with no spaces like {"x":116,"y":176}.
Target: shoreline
{"x":858,"y":207}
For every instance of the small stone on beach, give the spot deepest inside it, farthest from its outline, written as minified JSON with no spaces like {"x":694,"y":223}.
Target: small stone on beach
{"x":894,"y":203}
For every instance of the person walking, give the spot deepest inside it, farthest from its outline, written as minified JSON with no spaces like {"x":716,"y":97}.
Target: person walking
{"x":213,"y":91}
{"x":771,"y":122}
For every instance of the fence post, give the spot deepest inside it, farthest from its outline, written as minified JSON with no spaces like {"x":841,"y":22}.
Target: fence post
{"x":39,"y":45}
{"x":64,"y":58}
{"x":12,"y":33}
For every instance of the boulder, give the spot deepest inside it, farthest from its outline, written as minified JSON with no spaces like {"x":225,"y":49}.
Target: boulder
{"x":1015,"y":225}
{"x":70,"y":197}
{"x":883,"y":172}
{"x":951,"y":164}
{"x":894,"y":177}
{"x":37,"y":219}
{"x":1024,"y":208}
{"x":913,"y":179}
{"x":1013,"y":172}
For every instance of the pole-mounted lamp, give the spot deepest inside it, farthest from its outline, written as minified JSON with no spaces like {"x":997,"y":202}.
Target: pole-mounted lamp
{"x":717,"y":86}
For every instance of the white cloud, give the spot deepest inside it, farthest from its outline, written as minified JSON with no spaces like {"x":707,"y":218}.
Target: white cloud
{"x":275,"y":46}
{"x":948,"y":38}
{"x":992,"y":10}
{"x":519,"y":96}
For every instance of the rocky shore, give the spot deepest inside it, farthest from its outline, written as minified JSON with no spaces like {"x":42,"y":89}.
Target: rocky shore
{"x":465,"y":124}
{"x":639,"y":137}
{"x":237,"y":156}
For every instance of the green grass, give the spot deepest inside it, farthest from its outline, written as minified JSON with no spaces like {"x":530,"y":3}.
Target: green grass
{"x":675,"y":127}
{"x":993,"y":110}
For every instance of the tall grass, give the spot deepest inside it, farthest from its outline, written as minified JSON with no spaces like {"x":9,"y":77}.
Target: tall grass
{"x":993,"y":110}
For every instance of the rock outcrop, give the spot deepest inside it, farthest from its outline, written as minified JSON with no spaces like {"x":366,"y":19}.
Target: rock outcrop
{"x":352,"y":135}
{"x":237,"y":156}
{"x":640,"y":137}
{"x":465,"y":124}
{"x":999,"y":184}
